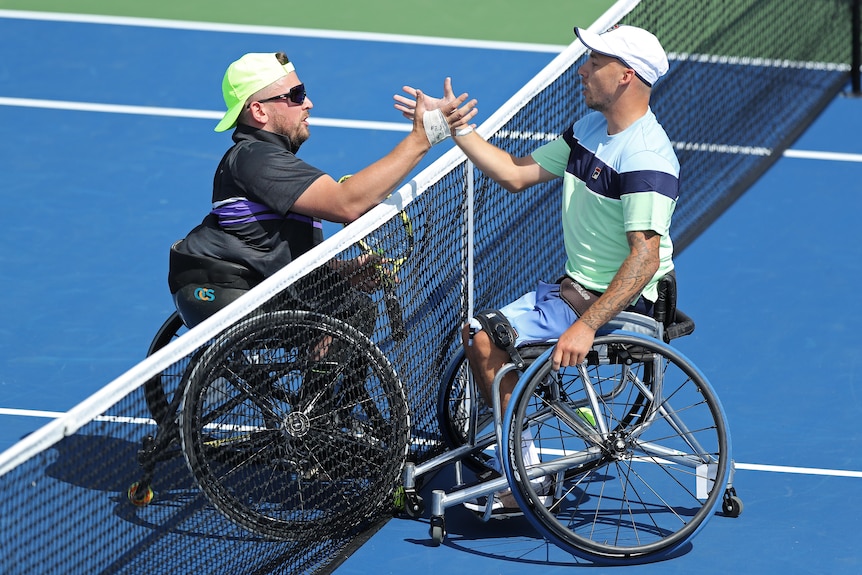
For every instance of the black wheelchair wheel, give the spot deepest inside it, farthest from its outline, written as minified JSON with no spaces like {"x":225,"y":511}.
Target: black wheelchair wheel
{"x":295,"y":423}
{"x":464,"y":415}
{"x":159,"y":390}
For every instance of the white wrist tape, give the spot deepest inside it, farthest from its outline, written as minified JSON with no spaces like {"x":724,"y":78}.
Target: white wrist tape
{"x":436,"y":127}
{"x":463,"y":131}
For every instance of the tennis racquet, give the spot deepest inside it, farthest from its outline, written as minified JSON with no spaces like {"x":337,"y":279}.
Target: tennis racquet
{"x":393,"y":242}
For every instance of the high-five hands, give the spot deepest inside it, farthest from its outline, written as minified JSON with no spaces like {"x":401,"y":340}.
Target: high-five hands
{"x":442,"y":116}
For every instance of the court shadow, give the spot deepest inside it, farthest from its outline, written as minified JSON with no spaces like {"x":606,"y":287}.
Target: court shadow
{"x":179,"y":518}
{"x":178,"y":506}
{"x":119,"y":465}
{"x":513,"y":540}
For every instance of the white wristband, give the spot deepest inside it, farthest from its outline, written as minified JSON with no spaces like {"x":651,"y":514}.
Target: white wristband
{"x":463,"y":131}
{"x":436,"y":127}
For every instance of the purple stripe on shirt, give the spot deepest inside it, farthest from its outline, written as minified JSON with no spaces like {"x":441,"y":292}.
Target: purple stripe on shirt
{"x":246,"y":212}
{"x":306,"y":219}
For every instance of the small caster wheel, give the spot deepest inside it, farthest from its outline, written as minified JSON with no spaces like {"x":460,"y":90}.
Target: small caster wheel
{"x":414,"y":505}
{"x":437,"y":531}
{"x":141,"y":499}
{"x":732,"y":505}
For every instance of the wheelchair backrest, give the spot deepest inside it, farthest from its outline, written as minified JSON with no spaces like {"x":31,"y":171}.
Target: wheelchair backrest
{"x":674,"y":322}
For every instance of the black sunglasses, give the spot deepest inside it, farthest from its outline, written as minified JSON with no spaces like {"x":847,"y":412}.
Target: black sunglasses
{"x":296,"y":95}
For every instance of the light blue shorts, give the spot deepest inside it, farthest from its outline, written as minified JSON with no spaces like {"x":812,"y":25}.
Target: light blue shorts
{"x":538,"y":316}
{"x":542,"y":315}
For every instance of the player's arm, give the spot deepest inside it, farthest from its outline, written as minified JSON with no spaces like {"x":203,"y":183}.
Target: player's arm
{"x":513,"y":173}
{"x":346,"y":201}
{"x":630,"y":280}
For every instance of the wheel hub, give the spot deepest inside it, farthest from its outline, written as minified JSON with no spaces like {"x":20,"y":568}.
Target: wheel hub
{"x":617,"y":445}
{"x":297,"y":424}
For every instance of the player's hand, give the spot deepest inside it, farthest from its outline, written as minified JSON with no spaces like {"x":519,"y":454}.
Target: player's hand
{"x":407,"y":106}
{"x":573,"y":346}
{"x":366,"y":272}
{"x":449,"y":103}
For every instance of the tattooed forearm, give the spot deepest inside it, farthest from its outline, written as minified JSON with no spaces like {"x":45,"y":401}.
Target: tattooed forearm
{"x":634,"y":274}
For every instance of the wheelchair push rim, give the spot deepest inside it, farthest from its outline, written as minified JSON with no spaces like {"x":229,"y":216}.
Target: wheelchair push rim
{"x":638,"y":469}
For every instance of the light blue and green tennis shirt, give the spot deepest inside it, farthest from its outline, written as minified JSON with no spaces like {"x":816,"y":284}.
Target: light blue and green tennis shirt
{"x":613,"y":185}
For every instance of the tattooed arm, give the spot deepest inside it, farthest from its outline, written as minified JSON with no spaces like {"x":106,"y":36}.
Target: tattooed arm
{"x":634,"y":274}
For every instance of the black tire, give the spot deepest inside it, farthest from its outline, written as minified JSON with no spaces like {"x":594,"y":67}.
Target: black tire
{"x":159,"y":390}
{"x":461,"y":411}
{"x":295,"y":424}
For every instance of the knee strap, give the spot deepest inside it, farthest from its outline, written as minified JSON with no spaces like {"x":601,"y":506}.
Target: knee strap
{"x":501,"y":332}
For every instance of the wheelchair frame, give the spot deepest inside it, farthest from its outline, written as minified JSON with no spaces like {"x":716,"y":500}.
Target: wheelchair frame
{"x":634,"y":440}
{"x":292,"y":423}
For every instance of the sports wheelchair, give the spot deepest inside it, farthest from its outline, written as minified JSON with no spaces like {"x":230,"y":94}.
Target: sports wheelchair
{"x":633,"y":445}
{"x":291,"y":423}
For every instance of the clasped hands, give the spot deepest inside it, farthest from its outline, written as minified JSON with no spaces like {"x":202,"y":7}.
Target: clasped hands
{"x":441,"y":116}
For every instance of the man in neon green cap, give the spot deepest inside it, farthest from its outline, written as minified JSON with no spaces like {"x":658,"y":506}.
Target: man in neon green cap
{"x":267,"y":204}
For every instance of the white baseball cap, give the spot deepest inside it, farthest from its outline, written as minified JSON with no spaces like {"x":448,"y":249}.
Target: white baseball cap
{"x":634,"y":47}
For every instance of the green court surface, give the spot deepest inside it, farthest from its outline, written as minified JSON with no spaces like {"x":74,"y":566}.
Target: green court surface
{"x":498,"y":20}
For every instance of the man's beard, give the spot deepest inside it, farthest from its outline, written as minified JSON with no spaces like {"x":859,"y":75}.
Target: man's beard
{"x":297,"y":138}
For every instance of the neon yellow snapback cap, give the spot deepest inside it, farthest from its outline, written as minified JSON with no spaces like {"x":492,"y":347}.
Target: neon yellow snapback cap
{"x":246,"y":76}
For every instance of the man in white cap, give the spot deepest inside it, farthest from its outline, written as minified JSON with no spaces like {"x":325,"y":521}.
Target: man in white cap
{"x":267,"y":204}
{"x":620,"y":185}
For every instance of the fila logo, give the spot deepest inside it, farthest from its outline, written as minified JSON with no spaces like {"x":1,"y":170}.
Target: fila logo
{"x":596,"y":173}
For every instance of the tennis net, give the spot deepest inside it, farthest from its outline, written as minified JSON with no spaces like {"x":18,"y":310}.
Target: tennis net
{"x":746,"y":78}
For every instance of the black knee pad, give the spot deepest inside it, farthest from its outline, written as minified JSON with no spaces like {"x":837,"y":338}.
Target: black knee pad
{"x":501,"y":332}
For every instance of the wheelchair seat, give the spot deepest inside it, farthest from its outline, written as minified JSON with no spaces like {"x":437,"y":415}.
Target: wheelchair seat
{"x":201,"y":285}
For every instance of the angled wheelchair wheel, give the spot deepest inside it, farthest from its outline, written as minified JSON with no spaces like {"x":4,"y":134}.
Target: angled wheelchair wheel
{"x":464,"y":415}
{"x":631,"y":454}
{"x":295,"y":424}
{"x":160,"y":389}
{"x":162,"y":394}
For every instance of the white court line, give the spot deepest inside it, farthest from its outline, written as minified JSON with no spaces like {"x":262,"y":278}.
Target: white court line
{"x":30,"y":412}
{"x":56,"y":414}
{"x":812,"y":155}
{"x":39,"y":413}
{"x":391,"y":127}
{"x":186,"y":113}
{"x":798,"y":470}
{"x":739,"y":466}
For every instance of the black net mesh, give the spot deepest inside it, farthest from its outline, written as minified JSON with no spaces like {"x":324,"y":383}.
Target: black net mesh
{"x":746,"y":77}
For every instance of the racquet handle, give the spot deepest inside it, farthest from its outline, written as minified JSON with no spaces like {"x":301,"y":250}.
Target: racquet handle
{"x":393,"y":310}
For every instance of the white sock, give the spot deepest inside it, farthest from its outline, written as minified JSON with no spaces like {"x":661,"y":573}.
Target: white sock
{"x":531,"y":457}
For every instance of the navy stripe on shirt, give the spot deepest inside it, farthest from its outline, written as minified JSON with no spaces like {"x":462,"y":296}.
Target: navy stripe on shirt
{"x":605,"y":181}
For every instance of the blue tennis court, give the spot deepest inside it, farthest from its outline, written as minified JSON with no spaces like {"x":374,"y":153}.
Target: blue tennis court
{"x":770,"y":285}
{"x":104,"y":194}
{"x":98,"y":193}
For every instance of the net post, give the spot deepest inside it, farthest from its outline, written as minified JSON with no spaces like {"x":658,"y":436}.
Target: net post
{"x":856,"y":55}
{"x":469,"y":173}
